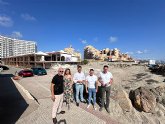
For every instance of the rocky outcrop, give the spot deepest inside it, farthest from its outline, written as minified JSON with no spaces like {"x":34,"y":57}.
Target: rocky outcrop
{"x":123,"y":100}
{"x":158,"y":69}
{"x":159,"y":93}
{"x":91,"y":53}
{"x":72,"y":51}
{"x":106,"y":54}
{"x":143,"y":99}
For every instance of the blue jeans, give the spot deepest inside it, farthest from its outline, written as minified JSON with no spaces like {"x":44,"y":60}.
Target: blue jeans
{"x":92,"y":92}
{"x":79,"y":89}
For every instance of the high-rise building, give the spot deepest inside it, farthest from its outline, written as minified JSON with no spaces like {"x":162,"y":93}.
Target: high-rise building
{"x":22,"y":47}
{"x":14,"y":47}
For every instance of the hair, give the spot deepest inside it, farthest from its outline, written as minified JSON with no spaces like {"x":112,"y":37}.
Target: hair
{"x":105,"y":66}
{"x":66,"y":71}
{"x":91,"y":69}
{"x":79,"y":66}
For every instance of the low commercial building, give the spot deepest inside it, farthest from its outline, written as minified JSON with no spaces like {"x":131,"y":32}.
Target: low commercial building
{"x":40,"y":59}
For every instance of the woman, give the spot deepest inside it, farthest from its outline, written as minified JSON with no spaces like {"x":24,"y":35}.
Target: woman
{"x":68,"y":92}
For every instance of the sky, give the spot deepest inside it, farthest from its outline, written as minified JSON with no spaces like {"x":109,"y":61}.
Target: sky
{"x":136,"y":27}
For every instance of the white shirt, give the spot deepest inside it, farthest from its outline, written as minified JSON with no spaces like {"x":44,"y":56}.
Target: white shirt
{"x":91,"y":81}
{"x":78,"y":77}
{"x":105,"y":77}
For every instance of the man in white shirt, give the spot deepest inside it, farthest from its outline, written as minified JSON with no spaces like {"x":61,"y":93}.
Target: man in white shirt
{"x":79,"y":80}
{"x":106,"y":79}
{"x":91,"y":87}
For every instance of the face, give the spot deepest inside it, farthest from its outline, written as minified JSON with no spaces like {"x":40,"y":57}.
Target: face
{"x":105,"y":69}
{"x":61,"y":71}
{"x":79,"y":69}
{"x":91,"y":72}
{"x":67,"y":72}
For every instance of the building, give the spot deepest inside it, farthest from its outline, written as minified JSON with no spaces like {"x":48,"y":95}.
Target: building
{"x":40,"y":59}
{"x":15,"y":47}
{"x":22,"y":47}
{"x":6,"y":47}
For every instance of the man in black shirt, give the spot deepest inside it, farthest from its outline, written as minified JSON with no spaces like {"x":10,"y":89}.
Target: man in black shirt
{"x":57,"y":89}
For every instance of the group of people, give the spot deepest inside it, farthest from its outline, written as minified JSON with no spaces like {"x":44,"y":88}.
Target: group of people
{"x":62,"y":89}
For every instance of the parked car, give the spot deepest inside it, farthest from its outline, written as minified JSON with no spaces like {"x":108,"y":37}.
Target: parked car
{"x":26,"y":73}
{"x":4,"y":67}
{"x":39,"y":71}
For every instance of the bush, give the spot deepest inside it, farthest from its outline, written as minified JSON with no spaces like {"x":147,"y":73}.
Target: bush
{"x":85,"y":61}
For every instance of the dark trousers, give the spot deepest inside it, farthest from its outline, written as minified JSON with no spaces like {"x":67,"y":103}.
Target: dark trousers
{"x":105,"y":91}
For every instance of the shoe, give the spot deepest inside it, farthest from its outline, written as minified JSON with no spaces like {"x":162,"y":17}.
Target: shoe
{"x":101,"y":109}
{"x":94,"y":107}
{"x":108,"y":110}
{"x":83,"y":101}
{"x":54,"y":120}
{"x":88,"y":106}
{"x":77,"y":104}
{"x":61,"y":112}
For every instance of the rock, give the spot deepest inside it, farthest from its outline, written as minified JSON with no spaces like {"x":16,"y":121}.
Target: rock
{"x":143,"y":99}
{"x":160,"y":113}
{"x":123,"y":100}
{"x":16,"y":77}
{"x":160,"y":90}
{"x":159,"y":93}
{"x":163,"y":100}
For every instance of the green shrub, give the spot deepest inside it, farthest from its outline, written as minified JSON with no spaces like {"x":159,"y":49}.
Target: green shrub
{"x":85,"y":62}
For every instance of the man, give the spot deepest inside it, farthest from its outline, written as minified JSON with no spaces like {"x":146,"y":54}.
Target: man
{"x":79,"y":80}
{"x":106,"y":79}
{"x":57,"y":94}
{"x":91,"y":87}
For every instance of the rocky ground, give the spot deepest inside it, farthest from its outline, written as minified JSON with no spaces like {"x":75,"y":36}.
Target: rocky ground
{"x":127,"y":78}
{"x":129,"y":103}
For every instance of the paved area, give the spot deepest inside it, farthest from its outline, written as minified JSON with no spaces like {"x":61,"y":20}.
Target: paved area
{"x":38,"y":111}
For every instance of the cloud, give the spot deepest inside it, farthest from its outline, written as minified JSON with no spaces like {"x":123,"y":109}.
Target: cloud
{"x":16,"y":34}
{"x":139,"y":52}
{"x":142,"y":51}
{"x":3,"y":2}
{"x":112,"y":39}
{"x":28,"y":17}
{"x":6,"y":21}
{"x":83,"y":41}
{"x":130,"y":53}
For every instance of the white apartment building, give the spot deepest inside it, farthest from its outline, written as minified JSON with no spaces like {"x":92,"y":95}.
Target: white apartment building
{"x":22,"y":47}
{"x":14,"y":47}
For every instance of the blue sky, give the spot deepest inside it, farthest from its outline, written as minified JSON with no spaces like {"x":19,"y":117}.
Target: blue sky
{"x":136,"y":27}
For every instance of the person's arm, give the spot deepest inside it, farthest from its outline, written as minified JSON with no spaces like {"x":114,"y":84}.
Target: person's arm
{"x":96,"y":86}
{"x":100,"y":80}
{"x":52,"y":92}
{"x":86,"y":86}
{"x":83,"y":79}
{"x":111,"y":80}
{"x":52,"y":89}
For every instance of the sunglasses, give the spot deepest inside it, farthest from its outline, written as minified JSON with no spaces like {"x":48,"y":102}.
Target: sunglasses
{"x":61,"y":71}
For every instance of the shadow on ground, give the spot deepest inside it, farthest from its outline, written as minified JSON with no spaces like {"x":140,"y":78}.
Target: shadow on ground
{"x":12,"y":104}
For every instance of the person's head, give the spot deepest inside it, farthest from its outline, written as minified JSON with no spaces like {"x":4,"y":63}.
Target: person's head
{"x":91,"y":72}
{"x":105,"y":68}
{"x":67,"y":72}
{"x":60,"y":71}
{"x":79,"y":68}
